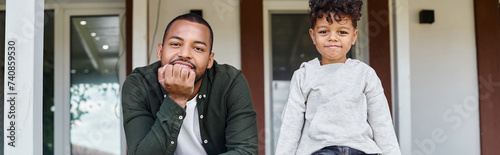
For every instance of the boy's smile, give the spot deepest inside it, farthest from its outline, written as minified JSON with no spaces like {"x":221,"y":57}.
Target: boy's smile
{"x":333,"y":40}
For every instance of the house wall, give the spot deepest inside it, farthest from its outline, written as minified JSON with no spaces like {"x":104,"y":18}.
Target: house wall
{"x":444,"y":89}
{"x":222,"y":15}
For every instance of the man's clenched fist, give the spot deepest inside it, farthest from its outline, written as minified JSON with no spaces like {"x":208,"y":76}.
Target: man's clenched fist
{"x":178,"y":81}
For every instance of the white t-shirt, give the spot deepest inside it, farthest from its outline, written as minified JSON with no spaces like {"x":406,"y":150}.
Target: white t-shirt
{"x":189,"y":140}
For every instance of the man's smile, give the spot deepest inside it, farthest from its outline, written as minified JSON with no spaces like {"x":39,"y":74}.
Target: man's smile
{"x":183,"y":64}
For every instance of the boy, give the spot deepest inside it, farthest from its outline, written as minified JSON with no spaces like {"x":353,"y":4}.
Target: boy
{"x":336,"y":105}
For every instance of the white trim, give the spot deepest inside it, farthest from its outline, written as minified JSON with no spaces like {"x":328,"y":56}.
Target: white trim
{"x":268,"y":8}
{"x":59,"y":58}
{"x":267,"y":85}
{"x":285,"y":6}
{"x":140,"y":42}
{"x":70,"y":6}
{"x":62,"y":71}
{"x":55,"y":6}
{"x":122,"y":75}
{"x":24,"y":43}
{"x":401,"y":70}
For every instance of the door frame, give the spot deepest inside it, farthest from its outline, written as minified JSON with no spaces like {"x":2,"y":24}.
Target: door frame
{"x":383,"y":67}
{"x":270,"y":7}
{"x":487,"y":28}
{"x":63,"y":13}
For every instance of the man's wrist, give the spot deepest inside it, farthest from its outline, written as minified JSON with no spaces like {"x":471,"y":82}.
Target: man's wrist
{"x":180,"y":101}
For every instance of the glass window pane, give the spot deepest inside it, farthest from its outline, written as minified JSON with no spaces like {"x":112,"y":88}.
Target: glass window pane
{"x":95,"y":109}
{"x":48,"y":83}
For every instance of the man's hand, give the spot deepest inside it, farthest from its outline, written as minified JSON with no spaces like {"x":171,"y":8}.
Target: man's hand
{"x":178,"y":82}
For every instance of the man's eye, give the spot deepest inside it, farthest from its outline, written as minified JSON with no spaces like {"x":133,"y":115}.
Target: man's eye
{"x":198,"y":49}
{"x":174,"y":44}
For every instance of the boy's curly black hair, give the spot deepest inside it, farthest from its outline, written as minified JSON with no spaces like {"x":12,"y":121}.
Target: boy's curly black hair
{"x":339,"y":9}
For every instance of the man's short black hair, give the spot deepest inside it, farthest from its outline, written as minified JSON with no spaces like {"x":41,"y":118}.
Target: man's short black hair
{"x":195,"y":19}
{"x":338,"y":8}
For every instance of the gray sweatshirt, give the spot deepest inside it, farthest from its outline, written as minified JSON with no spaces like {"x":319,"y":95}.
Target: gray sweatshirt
{"x":339,"y":104}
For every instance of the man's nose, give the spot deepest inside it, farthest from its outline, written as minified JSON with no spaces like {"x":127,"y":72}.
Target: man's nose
{"x":185,"y":52}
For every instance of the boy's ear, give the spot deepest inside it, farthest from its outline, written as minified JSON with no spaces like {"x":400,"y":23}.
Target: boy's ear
{"x":311,"y":33}
{"x":355,"y":36}
{"x":158,"y":52}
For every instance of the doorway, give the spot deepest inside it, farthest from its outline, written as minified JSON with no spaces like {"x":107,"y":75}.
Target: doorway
{"x":89,"y":68}
{"x":287,"y":44}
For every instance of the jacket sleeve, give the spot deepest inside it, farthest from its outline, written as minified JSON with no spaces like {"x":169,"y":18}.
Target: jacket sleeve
{"x":292,"y":119}
{"x":379,"y":116}
{"x":144,"y":134}
{"x":241,"y":130}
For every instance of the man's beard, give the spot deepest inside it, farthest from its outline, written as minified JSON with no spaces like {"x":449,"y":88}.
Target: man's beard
{"x":180,"y":59}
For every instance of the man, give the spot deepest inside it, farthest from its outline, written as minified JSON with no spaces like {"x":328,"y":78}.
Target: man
{"x":186,"y":103}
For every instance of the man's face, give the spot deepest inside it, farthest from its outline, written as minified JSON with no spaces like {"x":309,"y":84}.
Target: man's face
{"x":333,"y":41}
{"x":187,"y":44}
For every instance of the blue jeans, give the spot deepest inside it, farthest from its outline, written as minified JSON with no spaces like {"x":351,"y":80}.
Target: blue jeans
{"x":339,"y":150}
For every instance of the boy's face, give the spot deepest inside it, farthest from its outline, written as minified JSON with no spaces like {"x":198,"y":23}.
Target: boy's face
{"x":333,"y":41}
{"x":187,"y":44}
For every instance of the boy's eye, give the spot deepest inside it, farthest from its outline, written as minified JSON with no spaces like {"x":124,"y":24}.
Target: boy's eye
{"x":322,"y":32}
{"x":342,"y":32}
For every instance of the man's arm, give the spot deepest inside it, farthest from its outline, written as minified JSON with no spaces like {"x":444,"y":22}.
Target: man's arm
{"x":144,"y":134}
{"x":241,"y":130}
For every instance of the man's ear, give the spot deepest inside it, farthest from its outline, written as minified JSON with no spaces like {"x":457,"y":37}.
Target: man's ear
{"x":210,"y":60}
{"x":355,"y":36}
{"x":311,"y":33}
{"x":158,"y":52}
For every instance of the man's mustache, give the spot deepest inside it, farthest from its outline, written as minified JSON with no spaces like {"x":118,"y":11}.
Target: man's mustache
{"x":180,"y":59}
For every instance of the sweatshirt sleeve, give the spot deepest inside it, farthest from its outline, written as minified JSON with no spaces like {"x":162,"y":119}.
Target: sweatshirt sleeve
{"x":379,"y":116}
{"x":292,"y":118}
{"x":145,"y":135}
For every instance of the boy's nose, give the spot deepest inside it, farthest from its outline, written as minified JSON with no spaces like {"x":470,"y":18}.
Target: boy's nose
{"x":333,"y":38}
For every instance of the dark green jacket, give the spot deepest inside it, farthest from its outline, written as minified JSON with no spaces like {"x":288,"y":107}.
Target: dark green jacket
{"x":227,"y":118}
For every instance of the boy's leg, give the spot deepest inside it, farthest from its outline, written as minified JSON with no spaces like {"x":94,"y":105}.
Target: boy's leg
{"x":339,"y":150}
{"x":330,"y":150}
{"x":352,"y":151}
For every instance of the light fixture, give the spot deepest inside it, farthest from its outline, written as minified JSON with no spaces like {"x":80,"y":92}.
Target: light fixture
{"x":97,"y":38}
{"x":83,"y":22}
{"x":93,"y":34}
{"x":105,"y":47}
